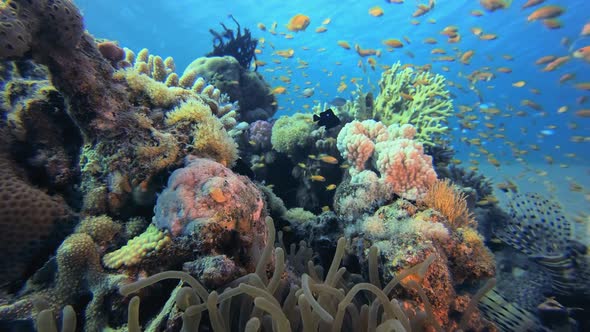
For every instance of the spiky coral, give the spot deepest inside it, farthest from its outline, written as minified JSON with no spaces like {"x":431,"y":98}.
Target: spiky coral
{"x":418,"y":98}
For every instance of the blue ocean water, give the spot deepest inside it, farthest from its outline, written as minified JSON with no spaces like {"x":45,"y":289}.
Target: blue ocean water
{"x":544,"y":138}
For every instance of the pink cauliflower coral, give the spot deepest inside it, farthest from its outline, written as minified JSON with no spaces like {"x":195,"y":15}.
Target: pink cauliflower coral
{"x":400,"y":160}
{"x":405,"y":168}
{"x":356,"y":141}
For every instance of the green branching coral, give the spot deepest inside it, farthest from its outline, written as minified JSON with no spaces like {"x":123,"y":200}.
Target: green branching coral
{"x":418,"y":98}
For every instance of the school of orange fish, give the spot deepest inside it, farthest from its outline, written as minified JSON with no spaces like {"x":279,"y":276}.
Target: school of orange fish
{"x":490,"y":120}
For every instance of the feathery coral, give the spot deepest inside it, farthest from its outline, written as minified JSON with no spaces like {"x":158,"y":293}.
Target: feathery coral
{"x":443,"y":198}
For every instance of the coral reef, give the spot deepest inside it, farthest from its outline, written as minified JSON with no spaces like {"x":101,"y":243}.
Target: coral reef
{"x":33,"y":222}
{"x":405,"y":235}
{"x":44,"y":140}
{"x":445,"y":199}
{"x":409,"y":96}
{"x":129,"y":173}
{"x":253,"y":94}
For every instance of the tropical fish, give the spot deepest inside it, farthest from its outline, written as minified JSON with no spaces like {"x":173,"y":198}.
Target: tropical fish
{"x":344,"y":44}
{"x":493,"y":5}
{"x":556,"y":63}
{"x":466,"y":57}
{"x":582,"y":53}
{"x":531,"y":3}
{"x":395,"y":43}
{"x":550,"y":11}
{"x":327,"y":118}
{"x":308,"y":92}
{"x":519,"y":84}
{"x":552,"y":23}
{"x":298,"y":22}
{"x":376,"y":11}
{"x":279,"y":90}
{"x":288,"y":53}
{"x":488,"y":36}
{"x":366,"y":51}
{"x":317,"y":178}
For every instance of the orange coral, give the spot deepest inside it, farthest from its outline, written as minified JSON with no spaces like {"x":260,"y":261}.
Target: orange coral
{"x":443,"y":198}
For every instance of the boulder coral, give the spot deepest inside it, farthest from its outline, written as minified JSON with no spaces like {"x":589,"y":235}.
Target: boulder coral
{"x":214,"y":211}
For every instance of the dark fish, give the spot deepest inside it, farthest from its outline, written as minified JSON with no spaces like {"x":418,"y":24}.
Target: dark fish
{"x":327,"y":118}
{"x":338,"y":101}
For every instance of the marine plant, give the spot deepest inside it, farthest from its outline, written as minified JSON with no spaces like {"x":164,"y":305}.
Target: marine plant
{"x":239,"y":45}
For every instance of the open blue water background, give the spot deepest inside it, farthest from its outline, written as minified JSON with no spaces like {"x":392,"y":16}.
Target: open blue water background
{"x":180,"y":29}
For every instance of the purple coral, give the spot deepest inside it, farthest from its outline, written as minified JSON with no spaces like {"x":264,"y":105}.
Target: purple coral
{"x":259,"y":134}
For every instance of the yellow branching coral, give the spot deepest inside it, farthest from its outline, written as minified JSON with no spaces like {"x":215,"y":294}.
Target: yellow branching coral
{"x":137,"y":248}
{"x":443,"y":198}
{"x":209,"y":137}
{"x":418,"y":98}
{"x":158,"y":93}
{"x":162,"y":155}
{"x":193,"y":110}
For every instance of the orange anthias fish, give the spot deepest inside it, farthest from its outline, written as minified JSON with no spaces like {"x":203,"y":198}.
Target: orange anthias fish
{"x":531,"y":3}
{"x":344,"y":44}
{"x":493,"y":5}
{"x":285,"y":53}
{"x":298,"y":22}
{"x":556,"y":63}
{"x":550,"y":11}
{"x":466,"y":57}
{"x":395,"y":43}
{"x":376,"y":11}
{"x":366,"y":51}
{"x":582,"y":53}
